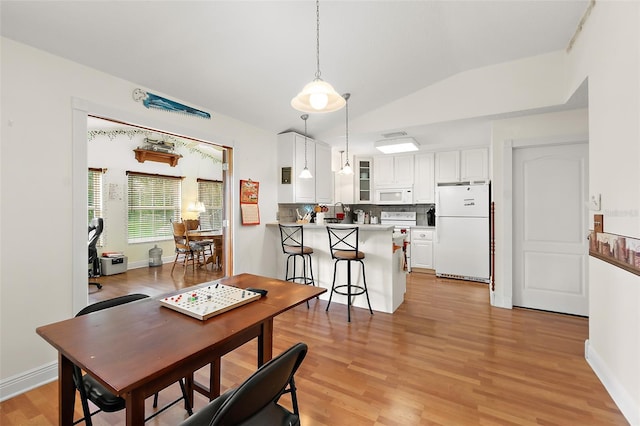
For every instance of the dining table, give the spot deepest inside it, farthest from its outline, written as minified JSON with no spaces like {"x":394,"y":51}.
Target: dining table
{"x":216,"y":236}
{"x":139,"y":348}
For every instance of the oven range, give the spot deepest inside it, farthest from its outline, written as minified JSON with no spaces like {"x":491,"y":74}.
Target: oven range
{"x":402,"y":221}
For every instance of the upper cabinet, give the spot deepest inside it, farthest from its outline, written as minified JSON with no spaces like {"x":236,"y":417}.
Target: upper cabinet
{"x":463,"y":165}
{"x":364,"y":180}
{"x":474,"y":164}
{"x":424,"y":183}
{"x":291,"y":161}
{"x":393,"y":170}
{"x":324,"y":175}
{"x":447,"y":167}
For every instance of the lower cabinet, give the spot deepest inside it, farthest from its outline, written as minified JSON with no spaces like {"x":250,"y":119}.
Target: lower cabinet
{"x":422,"y":248}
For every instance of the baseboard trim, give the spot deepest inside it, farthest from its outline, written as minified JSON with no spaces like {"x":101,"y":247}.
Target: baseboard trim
{"x":31,"y":379}
{"x":629,"y":408}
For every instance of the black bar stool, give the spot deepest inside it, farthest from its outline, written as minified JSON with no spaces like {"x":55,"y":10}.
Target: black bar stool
{"x":292,"y":239}
{"x":343,"y":243}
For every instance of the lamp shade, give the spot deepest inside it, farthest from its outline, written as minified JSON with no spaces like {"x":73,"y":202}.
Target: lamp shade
{"x":318,"y":96}
{"x":394,"y":146}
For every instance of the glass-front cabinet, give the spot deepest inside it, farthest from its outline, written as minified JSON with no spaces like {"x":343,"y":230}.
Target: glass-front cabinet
{"x":364,"y":175}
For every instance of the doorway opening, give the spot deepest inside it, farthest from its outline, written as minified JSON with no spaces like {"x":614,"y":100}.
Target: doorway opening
{"x":199,"y":170}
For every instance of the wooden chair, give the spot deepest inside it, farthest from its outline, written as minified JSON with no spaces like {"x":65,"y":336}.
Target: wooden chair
{"x":207,"y":245}
{"x":187,"y":249}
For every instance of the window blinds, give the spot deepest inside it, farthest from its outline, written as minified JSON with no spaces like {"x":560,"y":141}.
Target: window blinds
{"x":210,"y":192}
{"x":94,"y":194}
{"x":153,"y":202}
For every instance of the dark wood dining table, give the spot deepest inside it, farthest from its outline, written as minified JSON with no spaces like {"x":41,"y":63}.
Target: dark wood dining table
{"x":217,"y":259}
{"x":139,"y":348}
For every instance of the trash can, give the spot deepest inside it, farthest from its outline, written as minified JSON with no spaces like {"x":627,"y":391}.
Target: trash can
{"x":155,"y":256}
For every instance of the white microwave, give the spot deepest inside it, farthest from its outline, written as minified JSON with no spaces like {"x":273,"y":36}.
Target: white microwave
{"x":402,"y":195}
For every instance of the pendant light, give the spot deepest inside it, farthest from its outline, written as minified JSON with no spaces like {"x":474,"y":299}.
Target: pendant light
{"x":305,"y":174}
{"x":318,"y":96}
{"x":347,"y":170}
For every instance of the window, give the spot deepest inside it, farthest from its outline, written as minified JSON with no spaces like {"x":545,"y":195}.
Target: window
{"x":210,"y":193}
{"x":94,"y":199}
{"x":153,"y":202}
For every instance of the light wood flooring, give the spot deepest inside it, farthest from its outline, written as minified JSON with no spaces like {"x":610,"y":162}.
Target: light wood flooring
{"x":446,"y":357}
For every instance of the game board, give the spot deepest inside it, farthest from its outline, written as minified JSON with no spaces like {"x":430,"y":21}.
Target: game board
{"x":205,"y":302}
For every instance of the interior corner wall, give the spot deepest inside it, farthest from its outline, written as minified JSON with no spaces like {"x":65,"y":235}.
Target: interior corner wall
{"x":37,"y":156}
{"x":607,"y":52}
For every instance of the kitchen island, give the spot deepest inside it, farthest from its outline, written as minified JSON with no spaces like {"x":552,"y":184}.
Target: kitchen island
{"x":386,"y":278}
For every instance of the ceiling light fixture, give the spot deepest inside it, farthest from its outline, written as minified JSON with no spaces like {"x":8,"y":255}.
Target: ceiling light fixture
{"x":394,"y":146}
{"x":305,"y":174}
{"x":347,"y":170}
{"x":318,"y":96}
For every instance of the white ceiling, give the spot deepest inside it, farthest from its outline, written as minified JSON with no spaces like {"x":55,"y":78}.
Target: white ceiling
{"x":247,"y":59}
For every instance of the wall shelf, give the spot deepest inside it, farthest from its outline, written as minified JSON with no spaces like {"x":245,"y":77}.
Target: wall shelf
{"x":143,"y":155}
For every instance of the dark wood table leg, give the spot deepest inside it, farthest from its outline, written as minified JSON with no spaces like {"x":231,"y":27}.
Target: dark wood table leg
{"x":265,"y":342}
{"x":135,"y":408}
{"x":66,"y":391}
{"x":214,"y":379}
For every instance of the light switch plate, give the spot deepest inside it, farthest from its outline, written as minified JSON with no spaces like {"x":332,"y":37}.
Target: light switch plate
{"x":594,"y":202}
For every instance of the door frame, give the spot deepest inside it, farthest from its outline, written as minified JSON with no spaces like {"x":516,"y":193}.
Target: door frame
{"x":81,"y":109}
{"x":503,"y":294}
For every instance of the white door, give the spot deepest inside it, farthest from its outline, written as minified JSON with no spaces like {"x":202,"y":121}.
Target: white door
{"x":550,"y":248}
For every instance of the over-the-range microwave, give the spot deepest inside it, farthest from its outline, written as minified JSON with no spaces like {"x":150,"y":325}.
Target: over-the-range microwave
{"x":402,"y":195}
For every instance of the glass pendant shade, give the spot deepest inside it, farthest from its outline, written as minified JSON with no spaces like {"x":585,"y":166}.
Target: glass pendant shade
{"x":347,"y":170}
{"x":305,"y":174}
{"x":318,"y":96}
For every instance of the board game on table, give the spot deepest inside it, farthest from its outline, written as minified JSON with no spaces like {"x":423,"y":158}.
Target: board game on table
{"x":209,"y":300}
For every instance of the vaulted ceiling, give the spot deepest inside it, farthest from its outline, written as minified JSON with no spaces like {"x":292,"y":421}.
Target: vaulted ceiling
{"x":247,"y":59}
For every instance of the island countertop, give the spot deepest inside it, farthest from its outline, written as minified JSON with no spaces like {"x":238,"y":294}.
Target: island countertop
{"x":386,"y":277}
{"x":363,"y":227}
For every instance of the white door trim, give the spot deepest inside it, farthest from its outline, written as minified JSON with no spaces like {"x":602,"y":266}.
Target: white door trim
{"x":503,"y":296}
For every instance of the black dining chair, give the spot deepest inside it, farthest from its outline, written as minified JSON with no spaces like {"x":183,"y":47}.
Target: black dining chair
{"x":96,"y":226}
{"x":255,"y":401}
{"x":92,"y":390}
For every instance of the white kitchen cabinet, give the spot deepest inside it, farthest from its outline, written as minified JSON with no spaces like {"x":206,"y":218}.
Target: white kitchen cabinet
{"x":422,"y":248}
{"x":474,"y":164}
{"x":462,"y":165}
{"x":393,"y":170}
{"x":424,"y":183}
{"x":447,"y":167}
{"x":324,"y":175}
{"x":291,"y":161}
{"x":364,"y":180}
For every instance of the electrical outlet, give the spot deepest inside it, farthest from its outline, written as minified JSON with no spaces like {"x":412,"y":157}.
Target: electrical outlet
{"x":594,"y":202}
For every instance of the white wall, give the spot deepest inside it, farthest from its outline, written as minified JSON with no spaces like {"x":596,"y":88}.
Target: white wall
{"x":42,"y":96}
{"x":608,"y":53}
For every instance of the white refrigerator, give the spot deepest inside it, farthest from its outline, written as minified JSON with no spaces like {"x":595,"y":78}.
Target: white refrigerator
{"x":462,"y":231}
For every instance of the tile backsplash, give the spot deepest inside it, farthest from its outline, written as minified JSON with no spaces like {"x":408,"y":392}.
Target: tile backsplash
{"x":287,"y":212}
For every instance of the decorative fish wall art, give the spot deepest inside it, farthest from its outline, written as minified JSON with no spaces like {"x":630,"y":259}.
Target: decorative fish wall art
{"x":150,"y":100}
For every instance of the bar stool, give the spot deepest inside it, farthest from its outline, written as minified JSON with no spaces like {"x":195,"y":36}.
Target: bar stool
{"x":292,"y":239}
{"x":343,"y":243}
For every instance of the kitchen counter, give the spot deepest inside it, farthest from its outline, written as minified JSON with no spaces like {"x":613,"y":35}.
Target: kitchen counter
{"x":363,"y":227}
{"x":386,"y":278}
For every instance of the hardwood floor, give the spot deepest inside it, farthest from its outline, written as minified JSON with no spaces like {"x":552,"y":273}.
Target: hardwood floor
{"x":446,"y":357}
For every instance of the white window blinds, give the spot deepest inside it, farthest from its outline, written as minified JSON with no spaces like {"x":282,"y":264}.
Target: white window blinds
{"x":210,"y":193}
{"x":153,"y":202}
{"x":94,"y":200}
{"x":94,"y":194}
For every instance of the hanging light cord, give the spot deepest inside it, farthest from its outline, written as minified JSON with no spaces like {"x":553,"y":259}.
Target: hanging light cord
{"x":318,"y":39}
{"x":304,"y":117}
{"x":347,"y":127}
